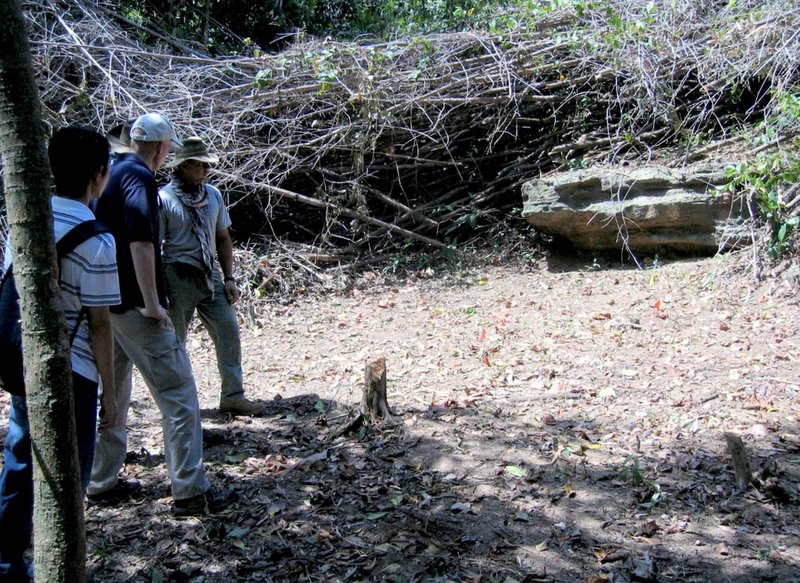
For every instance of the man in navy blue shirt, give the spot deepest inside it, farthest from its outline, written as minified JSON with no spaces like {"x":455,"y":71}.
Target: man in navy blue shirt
{"x":144,"y":334}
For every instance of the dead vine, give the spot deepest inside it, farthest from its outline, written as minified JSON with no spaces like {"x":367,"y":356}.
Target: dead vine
{"x":350,"y":148}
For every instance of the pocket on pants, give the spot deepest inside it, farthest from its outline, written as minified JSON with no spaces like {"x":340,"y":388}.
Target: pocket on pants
{"x":168,"y":364}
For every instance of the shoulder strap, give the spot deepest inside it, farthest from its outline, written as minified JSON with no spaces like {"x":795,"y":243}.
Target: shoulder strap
{"x":74,"y":237}
{"x":78,"y":234}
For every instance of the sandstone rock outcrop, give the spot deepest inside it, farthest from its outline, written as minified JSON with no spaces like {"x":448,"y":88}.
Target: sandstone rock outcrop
{"x":641,"y":210}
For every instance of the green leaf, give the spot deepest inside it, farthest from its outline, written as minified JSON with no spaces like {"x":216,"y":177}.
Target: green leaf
{"x":516,"y":471}
{"x":376,"y":515}
{"x":238,"y":532}
{"x":384,"y":548}
{"x":235,"y":458}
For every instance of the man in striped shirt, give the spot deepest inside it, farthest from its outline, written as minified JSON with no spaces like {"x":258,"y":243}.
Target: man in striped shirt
{"x":88,"y":281}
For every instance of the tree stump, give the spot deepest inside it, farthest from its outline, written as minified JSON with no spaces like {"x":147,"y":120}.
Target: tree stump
{"x":741,"y":465}
{"x":374,"y":402}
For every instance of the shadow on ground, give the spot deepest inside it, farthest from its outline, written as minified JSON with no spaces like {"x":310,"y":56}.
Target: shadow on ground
{"x":498,"y":499}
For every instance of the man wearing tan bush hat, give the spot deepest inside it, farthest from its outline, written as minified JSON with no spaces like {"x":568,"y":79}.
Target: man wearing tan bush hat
{"x":194,"y":228}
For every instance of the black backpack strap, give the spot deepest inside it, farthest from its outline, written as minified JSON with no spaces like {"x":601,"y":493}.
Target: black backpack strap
{"x":74,"y":237}
{"x":74,"y":332}
{"x":78,"y":234}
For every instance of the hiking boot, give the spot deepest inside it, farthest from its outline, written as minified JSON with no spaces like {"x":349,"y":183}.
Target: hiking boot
{"x":212,"y":501}
{"x":241,"y":406}
{"x":121,"y":491}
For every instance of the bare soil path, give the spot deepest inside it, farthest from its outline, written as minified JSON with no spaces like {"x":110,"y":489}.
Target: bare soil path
{"x":556,"y":423}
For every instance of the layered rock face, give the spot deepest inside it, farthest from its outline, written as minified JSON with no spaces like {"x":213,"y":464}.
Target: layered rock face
{"x":649,"y":209}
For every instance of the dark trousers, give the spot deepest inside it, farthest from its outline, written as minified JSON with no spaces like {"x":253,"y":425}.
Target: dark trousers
{"x":16,"y":480}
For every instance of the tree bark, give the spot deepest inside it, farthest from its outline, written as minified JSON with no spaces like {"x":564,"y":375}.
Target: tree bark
{"x":60,"y":548}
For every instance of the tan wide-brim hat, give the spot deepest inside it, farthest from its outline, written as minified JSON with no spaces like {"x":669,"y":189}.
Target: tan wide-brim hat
{"x":119,"y":137}
{"x":192,"y":149}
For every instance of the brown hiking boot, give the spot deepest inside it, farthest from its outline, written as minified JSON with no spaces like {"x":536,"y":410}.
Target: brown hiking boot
{"x":122,"y":490}
{"x":213,"y":501}
{"x":241,"y":406}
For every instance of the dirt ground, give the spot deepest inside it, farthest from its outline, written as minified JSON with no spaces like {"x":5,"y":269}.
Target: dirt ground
{"x":554,"y":422}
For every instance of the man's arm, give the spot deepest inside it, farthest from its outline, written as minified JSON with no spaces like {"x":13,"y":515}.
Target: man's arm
{"x":143,"y":255}
{"x":103,"y":348}
{"x":225,"y":256}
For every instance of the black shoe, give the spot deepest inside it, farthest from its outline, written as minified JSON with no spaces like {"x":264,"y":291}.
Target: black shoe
{"x":241,"y":406}
{"x":121,"y":491}
{"x":213,"y":501}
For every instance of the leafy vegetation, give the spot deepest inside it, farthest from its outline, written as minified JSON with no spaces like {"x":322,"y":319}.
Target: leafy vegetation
{"x":769,"y":182}
{"x":224,"y":26}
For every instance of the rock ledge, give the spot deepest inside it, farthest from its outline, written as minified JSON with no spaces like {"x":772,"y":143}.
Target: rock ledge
{"x":643,"y":210}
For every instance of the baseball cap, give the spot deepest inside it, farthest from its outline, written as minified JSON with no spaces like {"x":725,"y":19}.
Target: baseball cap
{"x":154,"y":127}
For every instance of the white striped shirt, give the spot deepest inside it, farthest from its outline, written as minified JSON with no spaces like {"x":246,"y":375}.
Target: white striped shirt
{"x":88,"y":278}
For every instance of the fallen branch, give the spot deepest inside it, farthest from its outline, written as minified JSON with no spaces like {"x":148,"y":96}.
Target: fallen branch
{"x":315,"y":202}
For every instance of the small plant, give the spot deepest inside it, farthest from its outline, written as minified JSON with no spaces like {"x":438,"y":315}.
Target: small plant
{"x":631,"y":472}
{"x":263,"y":78}
{"x":770,"y":181}
{"x":658,"y":497}
{"x":763,"y":182}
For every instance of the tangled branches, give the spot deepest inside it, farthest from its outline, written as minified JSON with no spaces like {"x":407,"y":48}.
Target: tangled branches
{"x":353,"y":148}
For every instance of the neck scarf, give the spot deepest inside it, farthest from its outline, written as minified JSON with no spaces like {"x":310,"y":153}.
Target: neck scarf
{"x":196,"y":200}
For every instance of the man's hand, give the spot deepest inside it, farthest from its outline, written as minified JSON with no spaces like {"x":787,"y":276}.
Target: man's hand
{"x":109,"y":414}
{"x":231,"y":291}
{"x":156,"y":313}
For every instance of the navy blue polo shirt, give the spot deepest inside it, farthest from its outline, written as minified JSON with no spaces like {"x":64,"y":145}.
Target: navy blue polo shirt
{"x":129,"y":206}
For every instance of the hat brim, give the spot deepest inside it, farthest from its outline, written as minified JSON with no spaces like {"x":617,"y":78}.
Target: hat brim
{"x":117,"y":146}
{"x":208,"y":159}
{"x":114,"y":137}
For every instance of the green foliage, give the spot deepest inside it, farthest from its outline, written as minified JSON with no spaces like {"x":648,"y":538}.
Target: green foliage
{"x":766,"y":180}
{"x":134,"y":15}
{"x":263,"y":78}
{"x":255,"y":25}
{"x":631,"y":472}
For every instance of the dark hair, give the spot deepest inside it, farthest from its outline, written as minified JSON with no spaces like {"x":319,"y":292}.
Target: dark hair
{"x":76,"y":156}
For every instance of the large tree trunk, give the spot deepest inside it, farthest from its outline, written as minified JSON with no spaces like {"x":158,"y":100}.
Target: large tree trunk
{"x":60,"y":548}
